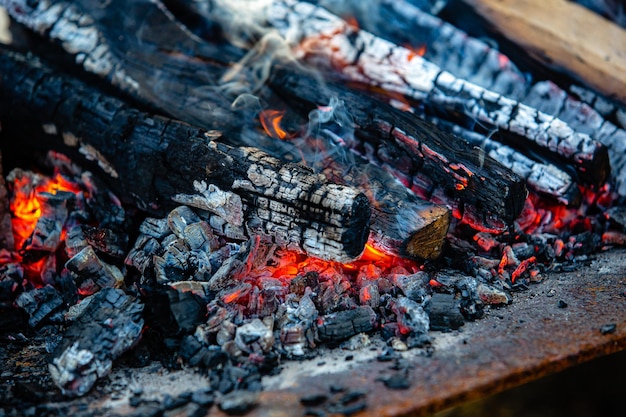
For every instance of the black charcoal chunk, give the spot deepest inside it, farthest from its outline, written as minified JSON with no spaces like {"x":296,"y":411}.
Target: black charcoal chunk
{"x":444,"y":313}
{"x":561,"y":304}
{"x":238,"y":402}
{"x":313,"y":399}
{"x":608,"y":328}
{"x":111,"y":324}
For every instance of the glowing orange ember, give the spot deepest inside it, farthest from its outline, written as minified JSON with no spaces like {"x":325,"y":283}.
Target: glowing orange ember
{"x":26,"y":205}
{"x":270,"y":120}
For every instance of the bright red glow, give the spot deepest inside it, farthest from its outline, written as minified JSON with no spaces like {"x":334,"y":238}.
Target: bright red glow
{"x":26,"y":205}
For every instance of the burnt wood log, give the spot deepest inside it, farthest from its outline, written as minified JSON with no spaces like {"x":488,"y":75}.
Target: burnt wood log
{"x":110,"y":323}
{"x":153,"y":161}
{"x":545,"y":179}
{"x":475,"y":61}
{"x":435,"y":40}
{"x":331,"y":44}
{"x":431,"y":161}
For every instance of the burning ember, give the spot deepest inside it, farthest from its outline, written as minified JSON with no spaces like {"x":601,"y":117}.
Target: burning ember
{"x":370,"y":193}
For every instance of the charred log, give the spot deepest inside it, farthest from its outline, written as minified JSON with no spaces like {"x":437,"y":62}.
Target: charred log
{"x":432,"y":161}
{"x":329,"y":43}
{"x":153,"y":161}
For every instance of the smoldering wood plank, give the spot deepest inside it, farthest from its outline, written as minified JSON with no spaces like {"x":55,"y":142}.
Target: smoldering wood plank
{"x":417,"y":150}
{"x":151,"y":161}
{"x":402,"y":23}
{"x":566,"y":36}
{"x":329,"y":43}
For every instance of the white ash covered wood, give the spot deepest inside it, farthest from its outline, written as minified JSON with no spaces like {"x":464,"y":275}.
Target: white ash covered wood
{"x":154,"y":161}
{"x":327,"y":41}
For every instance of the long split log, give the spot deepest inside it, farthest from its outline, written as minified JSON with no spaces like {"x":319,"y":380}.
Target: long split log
{"x":435,"y":40}
{"x":153,"y":161}
{"x":432,"y":162}
{"x":330,"y":43}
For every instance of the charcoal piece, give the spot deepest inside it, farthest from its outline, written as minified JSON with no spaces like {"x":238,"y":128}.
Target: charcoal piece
{"x":46,"y":236}
{"x":199,"y":237}
{"x":11,"y":276}
{"x":156,"y":228}
{"x":369,"y":295}
{"x":443,"y":312}
{"x":187,"y":309}
{"x":238,"y":402}
{"x":293,"y":338}
{"x":414,"y":286}
{"x":313,"y":399}
{"x":299,"y":283}
{"x":106,"y":241}
{"x":398,"y":380}
{"x":179,"y":218}
{"x":75,"y":241}
{"x":141,"y":256}
{"x":254,"y":337}
{"x":173,"y":312}
{"x":93,"y":274}
{"x":561,"y":304}
{"x":110,"y":325}
{"x":491,"y":295}
{"x":345,"y":324}
{"x":39,"y":303}
{"x":411,"y":317}
{"x":173,"y":265}
{"x":608,"y":328}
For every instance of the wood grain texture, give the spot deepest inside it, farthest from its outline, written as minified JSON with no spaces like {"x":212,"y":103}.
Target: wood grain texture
{"x":566,"y":36}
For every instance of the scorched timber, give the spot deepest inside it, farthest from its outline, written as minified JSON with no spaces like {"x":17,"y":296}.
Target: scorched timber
{"x":328,"y":42}
{"x":431,"y":161}
{"x":153,"y":162}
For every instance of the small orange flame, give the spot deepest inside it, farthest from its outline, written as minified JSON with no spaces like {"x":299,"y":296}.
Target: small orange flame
{"x":352,"y":22}
{"x":416,"y":51}
{"x":270,"y":120}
